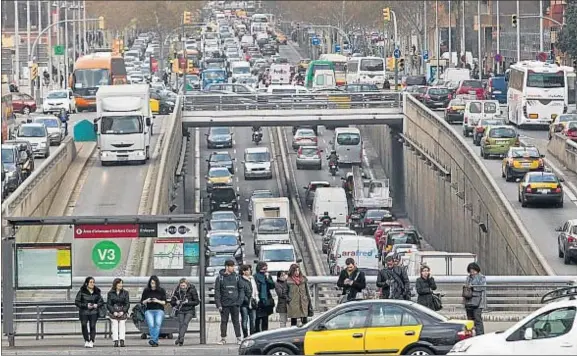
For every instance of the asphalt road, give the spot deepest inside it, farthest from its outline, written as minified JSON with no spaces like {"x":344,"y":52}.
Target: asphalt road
{"x":540,"y":221}
{"x":111,"y":190}
{"x":242,"y":139}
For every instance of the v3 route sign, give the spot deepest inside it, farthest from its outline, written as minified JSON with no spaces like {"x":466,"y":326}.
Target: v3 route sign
{"x":106,"y":255}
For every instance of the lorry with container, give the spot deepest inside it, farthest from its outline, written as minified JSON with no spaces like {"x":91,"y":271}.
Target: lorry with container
{"x":271,"y":222}
{"x":123,"y":124}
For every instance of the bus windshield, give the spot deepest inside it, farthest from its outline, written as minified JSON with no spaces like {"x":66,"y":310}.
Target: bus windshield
{"x":545,"y":80}
{"x":372,"y":65}
{"x":91,"y":78}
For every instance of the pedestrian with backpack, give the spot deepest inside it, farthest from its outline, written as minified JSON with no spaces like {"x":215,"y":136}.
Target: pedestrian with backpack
{"x":228,"y":297}
{"x":396,"y":279}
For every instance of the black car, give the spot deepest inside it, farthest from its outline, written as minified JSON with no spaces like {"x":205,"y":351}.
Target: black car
{"x":567,"y":241}
{"x":11,"y":168}
{"x":371,"y":220}
{"x":363,"y":327}
{"x":219,"y":137}
{"x":437,"y":97}
{"x":225,"y":243}
{"x":223,"y":198}
{"x":221,"y":159}
{"x":268,"y":50}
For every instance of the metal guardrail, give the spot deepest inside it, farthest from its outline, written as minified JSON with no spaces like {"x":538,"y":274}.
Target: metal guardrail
{"x":206,"y":101}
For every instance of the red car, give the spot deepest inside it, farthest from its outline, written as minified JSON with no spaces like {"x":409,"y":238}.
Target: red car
{"x":23,"y":103}
{"x":471,"y":87}
{"x":571,"y":131}
{"x":384,"y":227}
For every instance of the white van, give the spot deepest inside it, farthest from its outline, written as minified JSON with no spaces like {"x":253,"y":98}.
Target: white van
{"x":476,"y":110}
{"x":324,"y":79}
{"x":332,"y":200}
{"x":280,"y":74}
{"x":246,"y":41}
{"x":349,"y":145}
{"x":362,"y":249}
{"x":240,"y":69}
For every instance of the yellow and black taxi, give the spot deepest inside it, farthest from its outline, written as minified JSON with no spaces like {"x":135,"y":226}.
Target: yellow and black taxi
{"x":376,"y":326}
{"x":303,"y":64}
{"x":560,"y":123}
{"x":455,"y":110}
{"x":498,"y":139}
{"x":520,"y":160}
{"x":540,"y":187}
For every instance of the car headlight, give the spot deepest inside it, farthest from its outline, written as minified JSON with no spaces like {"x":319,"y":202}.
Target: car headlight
{"x":11,"y":174}
{"x":461,"y":347}
{"x":246,"y":343}
{"x":170,"y":103}
{"x":229,"y":181}
{"x":42,"y":144}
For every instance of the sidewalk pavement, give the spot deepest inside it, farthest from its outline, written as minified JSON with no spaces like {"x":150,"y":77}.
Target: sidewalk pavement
{"x":74,"y":345}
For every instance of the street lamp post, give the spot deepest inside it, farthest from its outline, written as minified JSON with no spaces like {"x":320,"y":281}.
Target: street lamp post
{"x":49,"y":12}
{"x":66,"y":42}
{"x":17,"y":41}
{"x":85,"y":45}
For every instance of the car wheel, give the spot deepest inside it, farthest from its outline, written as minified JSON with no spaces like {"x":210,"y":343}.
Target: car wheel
{"x":567,"y":259}
{"x":26,"y":110}
{"x":560,"y":253}
{"x":281,"y":351}
{"x":523,"y":202}
{"x":419,"y":350}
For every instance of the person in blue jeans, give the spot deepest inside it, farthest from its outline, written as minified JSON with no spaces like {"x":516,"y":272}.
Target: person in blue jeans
{"x":154,"y":299}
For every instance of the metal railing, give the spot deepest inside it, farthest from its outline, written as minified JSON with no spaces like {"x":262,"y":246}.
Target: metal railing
{"x":301,"y":101}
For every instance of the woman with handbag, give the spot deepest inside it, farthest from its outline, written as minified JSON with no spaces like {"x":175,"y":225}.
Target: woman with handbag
{"x":249,"y":302}
{"x":184,"y":300}
{"x":299,"y":304}
{"x":352,"y":281}
{"x":90,"y":307}
{"x":265,"y":306}
{"x":118,"y":303}
{"x":425,"y":286}
{"x":474,"y":296}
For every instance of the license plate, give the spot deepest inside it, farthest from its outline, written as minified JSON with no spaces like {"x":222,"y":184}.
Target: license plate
{"x":526,"y":165}
{"x":123,"y":158}
{"x":472,"y":92}
{"x":439,"y":104}
{"x":497,"y":92}
{"x":543,"y":191}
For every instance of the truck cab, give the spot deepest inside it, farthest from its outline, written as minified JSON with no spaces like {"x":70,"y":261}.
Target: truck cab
{"x":271,"y":222}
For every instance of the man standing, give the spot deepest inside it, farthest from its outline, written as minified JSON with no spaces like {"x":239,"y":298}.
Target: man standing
{"x":352,"y":281}
{"x":394,"y":281}
{"x":228,"y":296}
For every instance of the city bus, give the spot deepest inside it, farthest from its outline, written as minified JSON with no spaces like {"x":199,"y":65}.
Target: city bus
{"x":366,"y":70}
{"x":340,"y":63}
{"x":8,"y":117}
{"x":538,"y":92}
{"x":313,"y":67}
{"x":93,"y":71}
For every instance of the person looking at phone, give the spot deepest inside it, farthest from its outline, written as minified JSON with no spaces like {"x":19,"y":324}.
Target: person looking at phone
{"x":154,"y":299}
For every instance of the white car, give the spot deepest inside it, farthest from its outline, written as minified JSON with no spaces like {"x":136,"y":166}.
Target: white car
{"x":37,"y":135}
{"x":551,"y":330}
{"x":57,"y":100}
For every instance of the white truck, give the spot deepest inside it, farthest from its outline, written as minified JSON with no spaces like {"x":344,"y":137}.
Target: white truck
{"x":368,"y":193}
{"x":271,"y":222}
{"x":124,"y":123}
{"x":441,"y":263}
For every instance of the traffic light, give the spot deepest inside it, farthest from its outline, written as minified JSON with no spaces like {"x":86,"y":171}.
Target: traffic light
{"x":401,"y":64}
{"x":387,"y":14}
{"x":187,"y":17}
{"x":33,"y":71}
{"x":514,"y":20}
{"x":101,"y":23}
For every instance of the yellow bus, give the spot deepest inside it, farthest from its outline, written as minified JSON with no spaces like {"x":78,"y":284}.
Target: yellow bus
{"x":340,"y":63}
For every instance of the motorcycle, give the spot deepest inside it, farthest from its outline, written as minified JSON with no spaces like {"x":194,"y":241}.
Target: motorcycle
{"x":333,"y":168}
{"x":256,"y":137}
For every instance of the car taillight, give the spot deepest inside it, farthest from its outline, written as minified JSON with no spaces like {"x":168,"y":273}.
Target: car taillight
{"x":558,"y":189}
{"x":528,"y":189}
{"x":571,"y":240}
{"x":465,"y":334}
{"x":368,"y":221}
{"x":517,"y":142}
{"x":300,"y":151}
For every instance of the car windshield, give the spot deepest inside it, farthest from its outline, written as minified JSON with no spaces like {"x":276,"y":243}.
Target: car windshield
{"x":503,"y":132}
{"x":421,"y":90}
{"x":566,"y":118}
{"x":222,"y":240}
{"x":439,"y":91}
{"x":223,"y":215}
{"x":525,"y":153}
{"x":220,"y":131}
{"x":403,"y":237}
{"x":213,"y":75}
{"x":476,"y":84}
{"x":257,"y":157}
{"x":219,"y":173}
{"x":273,"y":226}
{"x":8,"y":155}
{"x":348,"y":139}
{"x":91,"y":78}
{"x":224,"y":195}
{"x":223,"y":225}
{"x":490,"y":108}
{"x":220,"y":157}
{"x":543,"y":178}
{"x":305,"y":133}
{"x":572,"y":125}
{"x":121,"y":125}
{"x":47,"y":122}
{"x":192,"y":78}
{"x":257,"y":195}
{"x":57,"y":95}
{"x":241,"y":70}
{"x":278,"y":255}
{"x":31,"y":131}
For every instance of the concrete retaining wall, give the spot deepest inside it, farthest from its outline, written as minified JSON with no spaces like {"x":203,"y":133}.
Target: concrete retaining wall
{"x":35,"y":196}
{"x":564,"y":150}
{"x":448,"y":211}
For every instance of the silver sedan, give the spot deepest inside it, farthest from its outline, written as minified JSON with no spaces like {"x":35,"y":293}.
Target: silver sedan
{"x":309,"y":157}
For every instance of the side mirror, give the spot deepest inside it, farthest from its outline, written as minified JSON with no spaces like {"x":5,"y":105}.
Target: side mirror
{"x":252,"y":228}
{"x":242,"y":243}
{"x":561,"y":180}
{"x":207,"y":160}
{"x":320,"y":327}
{"x":95,"y":128}
{"x":558,"y":229}
{"x":292,"y":226}
{"x":528,"y":335}
{"x":518,"y":180}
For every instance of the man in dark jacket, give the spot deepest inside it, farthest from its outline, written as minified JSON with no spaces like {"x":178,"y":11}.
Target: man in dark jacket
{"x":228,"y":296}
{"x":351,"y":280}
{"x":394,"y":281}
